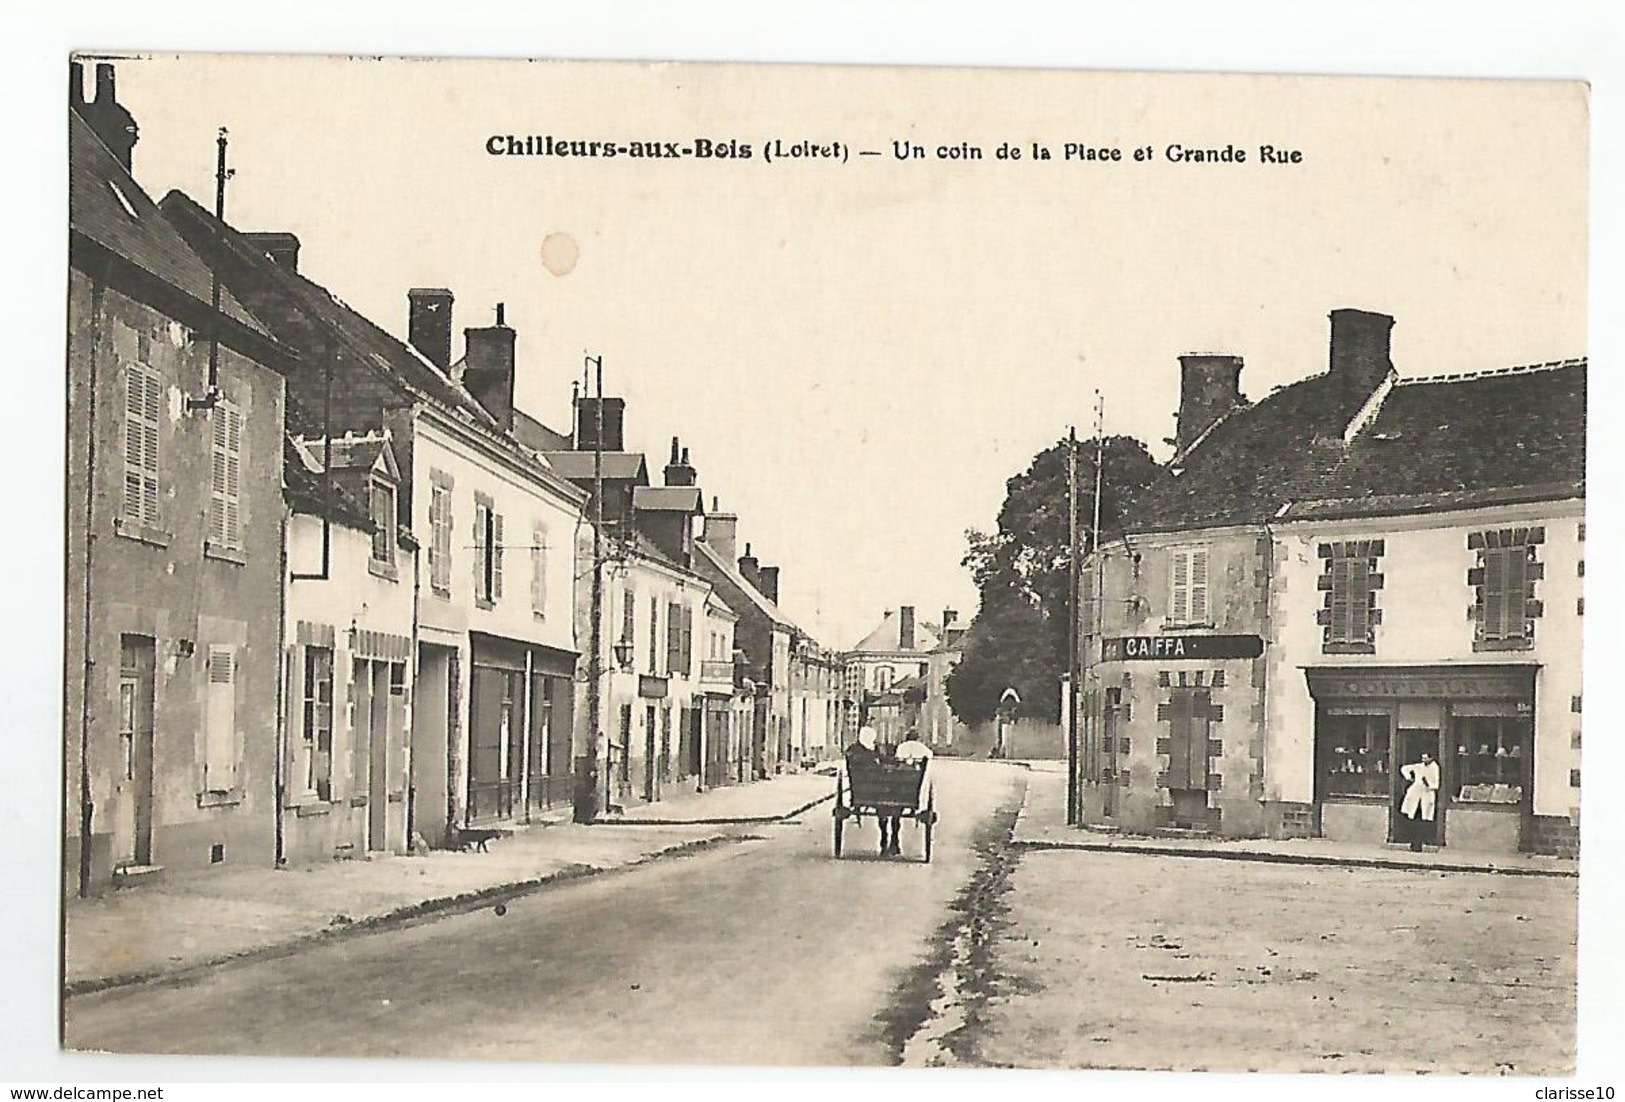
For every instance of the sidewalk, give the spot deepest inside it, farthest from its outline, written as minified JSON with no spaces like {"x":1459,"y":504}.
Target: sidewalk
{"x":205,"y":917}
{"x":1042,"y":825}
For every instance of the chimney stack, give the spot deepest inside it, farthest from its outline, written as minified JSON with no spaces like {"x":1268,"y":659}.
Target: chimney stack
{"x":587,"y":423}
{"x":428,"y":324}
{"x":750,"y":568}
{"x":721,"y":531}
{"x":1209,"y":388}
{"x":114,"y":125}
{"x":905,"y":628}
{"x":949,"y":616}
{"x":488,"y":368}
{"x":769,"y":583}
{"x":679,"y":472}
{"x":1361,"y":348}
{"x":282,"y":248}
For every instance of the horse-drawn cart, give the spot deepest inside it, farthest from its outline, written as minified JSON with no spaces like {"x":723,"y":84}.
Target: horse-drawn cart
{"x":885,"y":790}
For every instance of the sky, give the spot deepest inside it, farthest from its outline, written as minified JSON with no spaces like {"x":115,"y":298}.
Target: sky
{"x":858,"y":354}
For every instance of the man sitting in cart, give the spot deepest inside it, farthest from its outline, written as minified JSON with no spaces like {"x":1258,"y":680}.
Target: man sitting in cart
{"x":911,"y":752}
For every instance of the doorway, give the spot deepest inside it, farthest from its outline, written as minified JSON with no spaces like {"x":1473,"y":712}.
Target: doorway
{"x":1412,"y":743}
{"x":132,"y":829}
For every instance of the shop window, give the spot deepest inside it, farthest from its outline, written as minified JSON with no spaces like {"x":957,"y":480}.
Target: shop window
{"x":1504,"y":604}
{"x":1188,"y":586}
{"x":1354,"y":755}
{"x":1350,"y":581}
{"x":1490,"y":753}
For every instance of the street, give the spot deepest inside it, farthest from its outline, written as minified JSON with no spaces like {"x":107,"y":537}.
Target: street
{"x":770,"y":952}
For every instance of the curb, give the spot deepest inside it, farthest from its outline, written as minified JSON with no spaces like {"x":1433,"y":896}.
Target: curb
{"x":439,"y":907}
{"x":1266,"y":857}
{"x":741,"y":820}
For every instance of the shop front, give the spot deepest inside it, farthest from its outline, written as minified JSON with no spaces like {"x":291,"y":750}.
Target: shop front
{"x":520,"y":747}
{"x":1475,"y":722}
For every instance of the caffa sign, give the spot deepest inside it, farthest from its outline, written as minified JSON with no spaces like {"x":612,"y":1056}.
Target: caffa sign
{"x":1173,"y":648}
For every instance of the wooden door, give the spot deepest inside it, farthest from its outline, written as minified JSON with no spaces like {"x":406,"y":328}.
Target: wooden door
{"x":132,"y":829}
{"x":1411,"y":744}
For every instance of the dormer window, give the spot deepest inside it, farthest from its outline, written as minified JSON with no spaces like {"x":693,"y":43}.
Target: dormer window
{"x":382,"y":509}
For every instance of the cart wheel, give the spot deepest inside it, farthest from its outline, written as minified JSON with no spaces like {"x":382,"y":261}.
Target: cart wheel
{"x":930,"y":823}
{"x":840,"y":822}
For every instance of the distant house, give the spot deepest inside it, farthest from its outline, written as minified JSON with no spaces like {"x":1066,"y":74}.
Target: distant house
{"x":899,"y":647}
{"x":1320,"y":587}
{"x":174,"y":535}
{"x":938,"y":724}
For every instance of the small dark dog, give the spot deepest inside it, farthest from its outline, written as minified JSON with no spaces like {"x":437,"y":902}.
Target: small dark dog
{"x":477,"y":839}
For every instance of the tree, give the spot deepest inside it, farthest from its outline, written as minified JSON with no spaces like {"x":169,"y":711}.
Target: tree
{"x":1019,"y":635}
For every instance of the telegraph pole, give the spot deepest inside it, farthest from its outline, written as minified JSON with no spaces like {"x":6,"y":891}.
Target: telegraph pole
{"x":585,"y":810}
{"x":1097,"y":595}
{"x":1073,"y":631}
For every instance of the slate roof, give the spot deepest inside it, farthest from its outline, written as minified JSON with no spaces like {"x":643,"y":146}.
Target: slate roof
{"x":533,"y":434}
{"x":684,"y":499}
{"x":752,"y":594}
{"x":884,"y":637}
{"x":396,"y":359}
{"x":1436,"y":442}
{"x":617,"y":465}
{"x":307,"y":492}
{"x":99,"y":189}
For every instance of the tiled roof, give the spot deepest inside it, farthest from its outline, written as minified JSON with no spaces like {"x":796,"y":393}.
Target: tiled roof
{"x":766,"y":607}
{"x":1510,"y":433}
{"x":352,"y":452}
{"x":577,"y":466}
{"x":884,"y":638}
{"x":107,"y":206}
{"x":533,"y":434}
{"x":308,"y":492}
{"x":685,"y":499}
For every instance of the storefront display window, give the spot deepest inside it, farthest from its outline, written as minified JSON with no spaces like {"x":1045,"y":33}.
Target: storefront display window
{"x":1354,"y":755}
{"x":1490,"y":758}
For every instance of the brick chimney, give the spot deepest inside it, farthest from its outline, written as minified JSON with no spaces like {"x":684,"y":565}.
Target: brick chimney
{"x":768,"y":583}
{"x":113,"y":124}
{"x":1209,"y":388}
{"x":282,"y":248}
{"x":1361,"y":348}
{"x":428,"y":324}
{"x":679,"y":472}
{"x":949,"y":616}
{"x":750,"y":568}
{"x":721,"y":531}
{"x":905,"y":628}
{"x":488,"y":368}
{"x":587,"y":423}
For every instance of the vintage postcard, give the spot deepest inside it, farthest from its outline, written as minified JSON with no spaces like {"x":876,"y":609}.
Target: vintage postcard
{"x":609,"y":563}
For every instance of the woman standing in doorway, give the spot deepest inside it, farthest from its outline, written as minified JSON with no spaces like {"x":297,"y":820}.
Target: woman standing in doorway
{"x":1421,"y":798}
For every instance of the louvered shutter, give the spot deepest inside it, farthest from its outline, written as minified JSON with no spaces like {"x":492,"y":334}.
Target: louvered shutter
{"x":1179,"y":601}
{"x":234,"y":477}
{"x":141,"y":410}
{"x":1495,"y":594}
{"x":496,"y":556}
{"x":1340,"y":599}
{"x":482,"y":575}
{"x":220,"y":722}
{"x":538,"y":568}
{"x":1359,"y":599}
{"x":1199,"y":586}
{"x":1515,"y":592}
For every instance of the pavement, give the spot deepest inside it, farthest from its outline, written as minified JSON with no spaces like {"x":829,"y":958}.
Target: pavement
{"x":194,"y":920}
{"x":1042,"y":826}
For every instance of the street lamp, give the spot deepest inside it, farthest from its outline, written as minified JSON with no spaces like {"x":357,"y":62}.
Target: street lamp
{"x":623,"y":654}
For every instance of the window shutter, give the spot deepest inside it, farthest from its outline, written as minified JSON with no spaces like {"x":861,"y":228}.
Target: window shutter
{"x":1495,"y":593}
{"x":538,"y":567}
{"x":482,"y":576}
{"x":1515,"y":592}
{"x":141,"y":400}
{"x":1179,"y":610}
{"x":234,"y":475}
{"x":1359,"y":597}
{"x":629,"y":604}
{"x":496,"y":556}
{"x":220,"y":722}
{"x":1199,"y":586}
{"x":1340,"y":599}
{"x":293,"y":707}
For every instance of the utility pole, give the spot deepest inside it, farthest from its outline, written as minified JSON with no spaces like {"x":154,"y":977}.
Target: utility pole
{"x":1073,"y":632}
{"x":1097,"y":596}
{"x":586,"y":810}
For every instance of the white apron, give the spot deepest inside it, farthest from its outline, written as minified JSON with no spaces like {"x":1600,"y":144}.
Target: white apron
{"x":1422,"y":795}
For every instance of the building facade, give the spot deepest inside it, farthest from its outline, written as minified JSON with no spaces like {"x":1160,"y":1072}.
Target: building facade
{"x":173,"y":535}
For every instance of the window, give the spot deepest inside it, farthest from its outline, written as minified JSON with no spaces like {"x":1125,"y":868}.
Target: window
{"x":487,"y":553}
{"x":674,"y":638}
{"x":654,"y":633}
{"x":1491,"y":752}
{"x":382,"y":509}
{"x":1188,"y":595}
{"x":538,"y":569}
{"x":629,"y":605}
{"x":440,"y":538}
{"x":220,"y":722}
{"x":142,"y":399}
{"x":315,"y":764}
{"x":1504,"y":604}
{"x":1354,"y":754}
{"x":883,"y":677}
{"x":1349,"y":614}
{"x":225,"y":479}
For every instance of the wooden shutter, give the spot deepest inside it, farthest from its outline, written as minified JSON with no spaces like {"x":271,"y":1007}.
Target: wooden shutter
{"x":1199,"y":613}
{"x":674,"y":637}
{"x":482,"y":574}
{"x":142,"y":396}
{"x":538,"y":568}
{"x":220,"y":722}
{"x":1179,"y":601}
{"x":496,"y":556}
{"x":688,"y":640}
{"x":629,"y":604}
{"x":293,"y":712}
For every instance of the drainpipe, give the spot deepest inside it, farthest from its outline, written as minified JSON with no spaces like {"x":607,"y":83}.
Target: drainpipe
{"x":412,"y":728}
{"x":87,"y":808}
{"x":284,"y":675}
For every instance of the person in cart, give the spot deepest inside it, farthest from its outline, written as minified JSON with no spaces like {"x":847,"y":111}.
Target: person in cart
{"x":911,"y":752}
